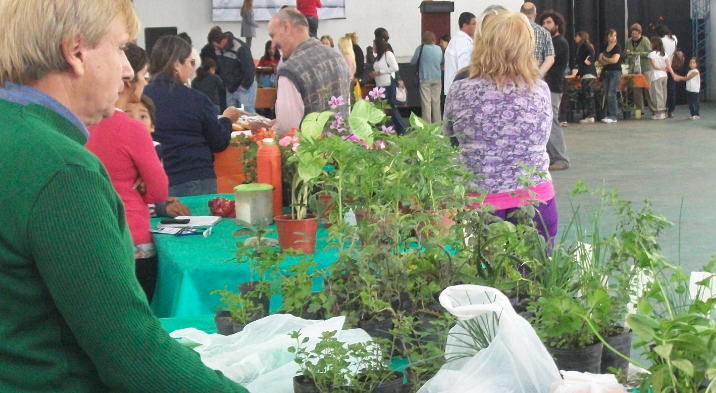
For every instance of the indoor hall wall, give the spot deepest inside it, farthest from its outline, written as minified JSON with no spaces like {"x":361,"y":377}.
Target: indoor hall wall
{"x":400,"y":17}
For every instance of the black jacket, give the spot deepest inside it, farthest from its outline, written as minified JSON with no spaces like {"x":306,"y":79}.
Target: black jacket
{"x":236,"y":65}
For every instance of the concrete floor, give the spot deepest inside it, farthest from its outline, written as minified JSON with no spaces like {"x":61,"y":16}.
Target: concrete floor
{"x":667,"y":161}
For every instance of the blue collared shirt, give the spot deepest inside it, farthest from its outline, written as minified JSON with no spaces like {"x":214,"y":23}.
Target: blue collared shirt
{"x":24,"y":95}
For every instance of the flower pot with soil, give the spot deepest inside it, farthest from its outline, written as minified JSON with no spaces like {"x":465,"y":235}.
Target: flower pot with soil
{"x":622,"y":343}
{"x":298,"y":234}
{"x":587,"y":359}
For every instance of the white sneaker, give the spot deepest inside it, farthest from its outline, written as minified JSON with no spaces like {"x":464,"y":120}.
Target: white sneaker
{"x":662,"y":116}
{"x":588,"y":120}
{"x":695,"y":118}
{"x":608,"y":120}
{"x":691,"y":118}
{"x":656,"y":117}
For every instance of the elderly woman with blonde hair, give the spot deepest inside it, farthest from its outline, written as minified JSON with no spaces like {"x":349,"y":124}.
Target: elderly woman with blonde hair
{"x":501,"y":115}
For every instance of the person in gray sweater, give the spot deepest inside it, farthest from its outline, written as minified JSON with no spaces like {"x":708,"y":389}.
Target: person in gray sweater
{"x":248,"y":24}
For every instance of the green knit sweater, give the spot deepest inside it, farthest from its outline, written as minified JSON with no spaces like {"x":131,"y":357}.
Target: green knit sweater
{"x":73,"y":317}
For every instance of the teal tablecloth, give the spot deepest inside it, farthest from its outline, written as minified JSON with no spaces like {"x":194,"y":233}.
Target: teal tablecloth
{"x":190,"y":267}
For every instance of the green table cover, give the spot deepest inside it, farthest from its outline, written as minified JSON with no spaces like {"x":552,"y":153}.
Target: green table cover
{"x":190,"y":267}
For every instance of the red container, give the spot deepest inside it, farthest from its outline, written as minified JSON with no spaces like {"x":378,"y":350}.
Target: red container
{"x":268,"y":171}
{"x":296,"y":234}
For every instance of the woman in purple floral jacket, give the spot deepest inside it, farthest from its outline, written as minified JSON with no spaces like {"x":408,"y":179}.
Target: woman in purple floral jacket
{"x":501,"y":116}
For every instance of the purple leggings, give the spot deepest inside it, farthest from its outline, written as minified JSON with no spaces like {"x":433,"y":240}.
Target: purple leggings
{"x":546,"y":219}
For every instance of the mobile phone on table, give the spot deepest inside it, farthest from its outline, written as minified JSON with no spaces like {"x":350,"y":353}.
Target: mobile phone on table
{"x":168,"y":221}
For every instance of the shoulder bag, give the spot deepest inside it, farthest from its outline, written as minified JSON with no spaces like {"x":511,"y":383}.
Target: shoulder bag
{"x":417,"y":70}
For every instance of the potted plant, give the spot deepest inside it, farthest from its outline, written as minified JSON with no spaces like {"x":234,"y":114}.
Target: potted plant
{"x":259,"y":252}
{"x":235,"y":311}
{"x":626,"y":107}
{"x":296,"y":283}
{"x":335,"y":366}
{"x":298,"y":230}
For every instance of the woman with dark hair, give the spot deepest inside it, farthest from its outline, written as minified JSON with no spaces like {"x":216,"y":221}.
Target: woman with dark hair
{"x":385,"y":68}
{"x":126,"y":149}
{"x":209,"y":83}
{"x":669,"y":42}
{"x":381,"y":32}
{"x":611,"y":74}
{"x":587,"y":72}
{"x":186,"y":125}
{"x":271,"y":58}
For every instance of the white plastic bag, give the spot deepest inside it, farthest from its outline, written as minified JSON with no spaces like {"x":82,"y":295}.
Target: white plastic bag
{"x":515,"y":361}
{"x":576,"y":382}
{"x":258,"y":357}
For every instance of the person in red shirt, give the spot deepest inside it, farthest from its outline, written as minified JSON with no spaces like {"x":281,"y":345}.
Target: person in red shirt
{"x":127,"y":151}
{"x":309,"y":9}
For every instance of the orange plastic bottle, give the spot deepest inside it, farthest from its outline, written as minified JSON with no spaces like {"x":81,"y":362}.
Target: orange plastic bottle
{"x":268,"y":171}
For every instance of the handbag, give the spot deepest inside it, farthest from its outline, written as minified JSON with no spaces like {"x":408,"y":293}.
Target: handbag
{"x":401,"y":93}
{"x":416,"y":78}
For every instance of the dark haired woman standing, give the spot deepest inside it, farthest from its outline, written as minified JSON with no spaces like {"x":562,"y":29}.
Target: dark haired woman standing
{"x":385,"y":68}
{"x":186,"y":124}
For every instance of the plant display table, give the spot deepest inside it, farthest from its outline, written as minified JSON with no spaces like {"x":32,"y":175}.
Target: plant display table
{"x":190,"y":267}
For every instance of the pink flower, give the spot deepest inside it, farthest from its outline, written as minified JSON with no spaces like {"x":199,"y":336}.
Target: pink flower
{"x":377,"y":92}
{"x":285,"y":141}
{"x":294,"y":147}
{"x":351,"y":138}
{"x":335,"y":102}
{"x":380,"y":144}
{"x":388,"y":130}
{"x":336,"y":124}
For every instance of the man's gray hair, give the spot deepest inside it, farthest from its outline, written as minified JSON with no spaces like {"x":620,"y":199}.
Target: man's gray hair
{"x":293,"y":17}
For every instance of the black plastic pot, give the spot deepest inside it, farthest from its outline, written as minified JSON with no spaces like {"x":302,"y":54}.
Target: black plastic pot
{"x":586,"y":359}
{"x":224,"y":325}
{"x":264,"y":301}
{"x":627,"y":115}
{"x":302,"y":384}
{"x":392,"y":386}
{"x":423,"y":324}
{"x":621,"y":343}
{"x":378,"y":329}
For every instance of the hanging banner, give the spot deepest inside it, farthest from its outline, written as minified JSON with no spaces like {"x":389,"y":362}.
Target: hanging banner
{"x":230,"y":10}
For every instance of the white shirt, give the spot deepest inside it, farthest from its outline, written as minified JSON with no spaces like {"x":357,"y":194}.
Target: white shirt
{"x":387,"y":67}
{"x":693,"y":85}
{"x":457,"y":56}
{"x":660,"y":61}
{"x":669,"y":46}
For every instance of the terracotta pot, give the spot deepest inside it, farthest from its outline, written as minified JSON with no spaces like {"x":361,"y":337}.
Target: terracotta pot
{"x":296,"y":234}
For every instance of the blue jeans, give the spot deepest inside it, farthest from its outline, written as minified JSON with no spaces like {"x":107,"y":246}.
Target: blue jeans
{"x":242,"y":96}
{"x":693,"y":100}
{"x":394,"y":112}
{"x":193,"y":187}
{"x":610,"y":85}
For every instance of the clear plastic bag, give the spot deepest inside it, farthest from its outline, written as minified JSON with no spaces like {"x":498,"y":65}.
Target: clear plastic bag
{"x":576,"y":382}
{"x":514,"y":361}
{"x":258,"y":357}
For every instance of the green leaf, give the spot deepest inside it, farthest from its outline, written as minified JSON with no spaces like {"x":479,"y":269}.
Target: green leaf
{"x":313,"y":124}
{"x":416,"y":121}
{"x":664,"y":350}
{"x":684,"y":365}
{"x":361,"y":119}
{"x":310,"y":165}
{"x":642,"y":326}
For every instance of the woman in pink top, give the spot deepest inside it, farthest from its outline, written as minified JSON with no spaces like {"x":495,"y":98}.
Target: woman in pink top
{"x":126,"y":149}
{"x":309,"y":9}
